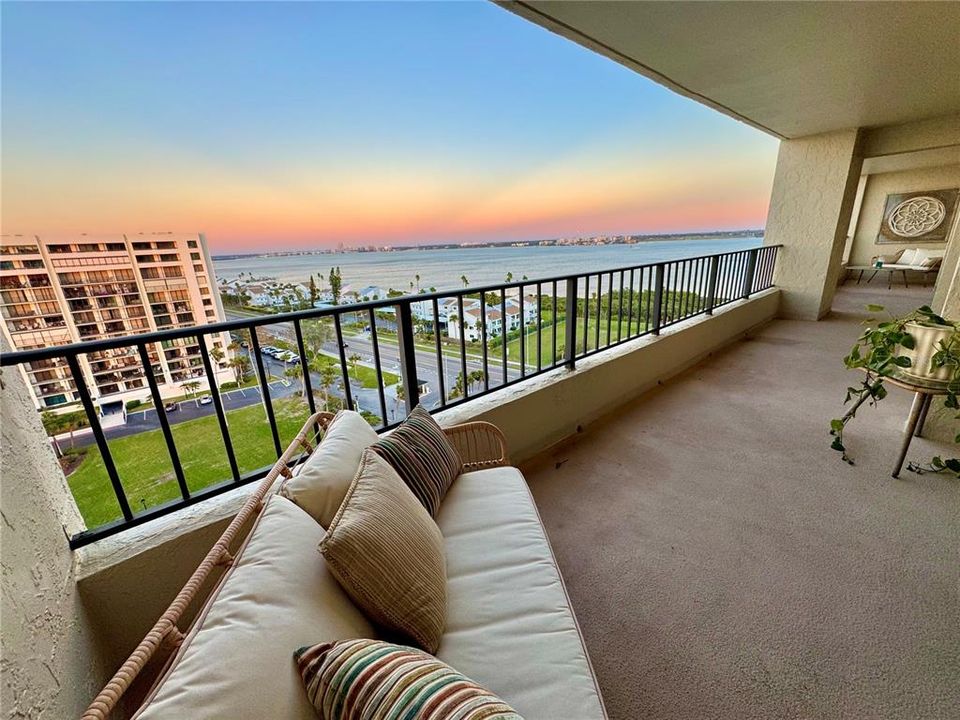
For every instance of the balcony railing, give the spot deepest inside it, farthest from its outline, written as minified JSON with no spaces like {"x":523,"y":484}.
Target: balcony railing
{"x":551,"y":323}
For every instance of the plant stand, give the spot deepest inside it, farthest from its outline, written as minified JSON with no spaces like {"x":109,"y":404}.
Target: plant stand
{"x":924,"y":392}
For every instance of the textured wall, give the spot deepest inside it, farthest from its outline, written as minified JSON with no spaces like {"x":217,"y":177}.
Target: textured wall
{"x":942,"y":423}
{"x":50,"y":667}
{"x":920,"y":135}
{"x":865,"y":245}
{"x":814,"y":188}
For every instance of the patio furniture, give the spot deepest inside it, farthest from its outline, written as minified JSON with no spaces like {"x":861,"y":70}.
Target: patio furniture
{"x":509,"y":623}
{"x":924,"y":392}
{"x":917,"y":260}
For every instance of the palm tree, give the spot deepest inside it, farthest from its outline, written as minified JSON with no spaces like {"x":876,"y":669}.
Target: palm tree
{"x":476,"y":377}
{"x":241,"y":366}
{"x":463,"y":279}
{"x":217,"y":354}
{"x":190,"y":387}
{"x":399,"y":397}
{"x":457,"y":389}
{"x":295,"y":372}
{"x":509,"y":277}
{"x":328,"y":376}
{"x":354,"y":362}
{"x":417,"y":277}
{"x":54,"y":425}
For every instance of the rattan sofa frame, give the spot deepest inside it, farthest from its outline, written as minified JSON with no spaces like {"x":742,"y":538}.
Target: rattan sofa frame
{"x":480,"y":444}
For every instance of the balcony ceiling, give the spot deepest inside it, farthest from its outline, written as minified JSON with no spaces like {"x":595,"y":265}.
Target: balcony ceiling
{"x":788,"y":68}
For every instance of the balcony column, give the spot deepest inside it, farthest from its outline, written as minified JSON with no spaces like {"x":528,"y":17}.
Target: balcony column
{"x":941,"y":423}
{"x":814,"y":188}
{"x":51,"y":661}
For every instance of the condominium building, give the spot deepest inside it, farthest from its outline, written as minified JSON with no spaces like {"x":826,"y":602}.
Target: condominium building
{"x":62,"y":290}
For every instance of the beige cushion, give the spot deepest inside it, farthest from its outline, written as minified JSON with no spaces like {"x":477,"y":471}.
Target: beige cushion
{"x":907,"y":257}
{"x":510,"y":626}
{"x":237,"y":662}
{"x":322,"y":482}
{"x":387,"y":553}
{"x":927,"y":259}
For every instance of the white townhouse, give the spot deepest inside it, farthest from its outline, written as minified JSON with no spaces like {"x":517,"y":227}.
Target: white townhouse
{"x":371,"y":292}
{"x":529,"y":309}
{"x":471,"y":323}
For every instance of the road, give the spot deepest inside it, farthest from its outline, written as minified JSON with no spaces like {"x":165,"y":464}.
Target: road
{"x":427,"y":368}
{"x":281,"y":386}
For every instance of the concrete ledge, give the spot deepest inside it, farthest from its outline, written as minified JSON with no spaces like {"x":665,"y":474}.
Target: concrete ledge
{"x":552,"y":407}
{"x":128,"y":580}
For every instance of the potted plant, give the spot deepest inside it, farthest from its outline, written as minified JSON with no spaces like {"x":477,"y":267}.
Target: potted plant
{"x":921,"y":345}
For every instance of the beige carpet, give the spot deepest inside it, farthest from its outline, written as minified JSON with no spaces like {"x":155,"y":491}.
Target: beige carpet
{"x":724,"y":563}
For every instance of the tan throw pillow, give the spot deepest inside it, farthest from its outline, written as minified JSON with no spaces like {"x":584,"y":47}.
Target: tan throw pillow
{"x":387,"y":553}
{"x":323,"y":479}
{"x":421,"y":454}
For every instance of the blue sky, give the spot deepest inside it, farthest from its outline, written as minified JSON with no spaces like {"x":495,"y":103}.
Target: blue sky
{"x":302,"y":124}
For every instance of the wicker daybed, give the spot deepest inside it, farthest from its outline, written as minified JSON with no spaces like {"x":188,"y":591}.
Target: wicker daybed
{"x":512,"y":530}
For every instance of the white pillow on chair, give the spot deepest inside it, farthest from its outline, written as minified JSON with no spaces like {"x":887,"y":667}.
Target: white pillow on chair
{"x":908,"y":257}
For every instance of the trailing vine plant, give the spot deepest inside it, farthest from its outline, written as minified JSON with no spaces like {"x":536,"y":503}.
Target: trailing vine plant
{"x":877,"y":353}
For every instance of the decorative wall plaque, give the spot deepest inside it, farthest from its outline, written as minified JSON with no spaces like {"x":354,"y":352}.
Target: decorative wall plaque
{"x":918,"y":217}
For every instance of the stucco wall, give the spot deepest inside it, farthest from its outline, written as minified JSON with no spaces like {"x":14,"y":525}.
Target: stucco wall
{"x":877,"y":188}
{"x":51,"y":664}
{"x":909,"y":137}
{"x":814,"y":189}
{"x":942,"y":423}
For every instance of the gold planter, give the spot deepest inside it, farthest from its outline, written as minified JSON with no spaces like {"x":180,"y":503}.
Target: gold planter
{"x":927,"y":339}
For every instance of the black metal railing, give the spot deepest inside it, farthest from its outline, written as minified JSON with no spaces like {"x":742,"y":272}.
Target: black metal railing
{"x":446,"y":348}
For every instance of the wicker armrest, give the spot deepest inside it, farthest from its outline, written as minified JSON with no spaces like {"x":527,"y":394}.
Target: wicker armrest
{"x":480,"y":444}
{"x":167,"y":629}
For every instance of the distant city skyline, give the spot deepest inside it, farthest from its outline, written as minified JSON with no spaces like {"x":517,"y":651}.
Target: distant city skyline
{"x":284,"y":126}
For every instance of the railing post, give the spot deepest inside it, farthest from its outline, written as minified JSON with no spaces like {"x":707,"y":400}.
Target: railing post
{"x":408,"y":355}
{"x":74,"y":364}
{"x":751,"y":269}
{"x":658,"y":299}
{"x":712,"y":283}
{"x":161,"y":413}
{"x":570,"y":317}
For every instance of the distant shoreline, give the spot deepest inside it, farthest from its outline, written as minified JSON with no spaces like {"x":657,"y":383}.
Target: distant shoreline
{"x":551,"y":242}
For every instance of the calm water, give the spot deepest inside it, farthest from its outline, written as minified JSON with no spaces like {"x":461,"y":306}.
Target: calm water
{"x":482,"y":266}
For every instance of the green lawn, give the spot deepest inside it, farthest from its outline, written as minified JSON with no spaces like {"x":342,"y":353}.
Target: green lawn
{"x":144,"y":464}
{"x":546,"y":340}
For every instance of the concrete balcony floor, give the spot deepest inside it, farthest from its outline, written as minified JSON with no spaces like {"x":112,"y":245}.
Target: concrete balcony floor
{"x":724,"y":563}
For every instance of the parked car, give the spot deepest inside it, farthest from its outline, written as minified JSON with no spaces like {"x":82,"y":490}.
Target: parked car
{"x":171,"y":406}
{"x":288,"y":357}
{"x":244,"y":344}
{"x":206,"y":400}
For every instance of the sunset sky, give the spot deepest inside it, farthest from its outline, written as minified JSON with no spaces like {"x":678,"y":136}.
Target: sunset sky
{"x":296,"y":125}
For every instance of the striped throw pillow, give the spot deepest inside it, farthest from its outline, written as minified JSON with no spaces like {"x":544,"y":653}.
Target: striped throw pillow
{"x":387,"y":554}
{"x":354,"y":679}
{"x":421,"y":454}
